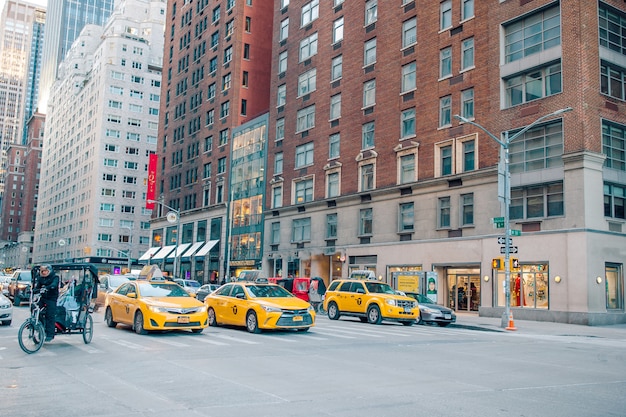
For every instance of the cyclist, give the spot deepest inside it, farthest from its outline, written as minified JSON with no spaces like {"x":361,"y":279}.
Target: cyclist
{"x":48,"y":285}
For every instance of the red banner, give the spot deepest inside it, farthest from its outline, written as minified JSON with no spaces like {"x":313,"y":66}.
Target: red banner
{"x":152,"y":171}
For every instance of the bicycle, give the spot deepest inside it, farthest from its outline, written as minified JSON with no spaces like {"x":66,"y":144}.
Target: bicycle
{"x":32,"y":334}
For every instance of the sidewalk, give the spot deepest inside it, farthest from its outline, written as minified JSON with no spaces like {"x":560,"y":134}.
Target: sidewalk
{"x":475,"y":322}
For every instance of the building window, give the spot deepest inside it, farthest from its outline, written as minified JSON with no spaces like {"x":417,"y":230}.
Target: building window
{"x":284,"y":29}
{"x":210,"y":117}
{"x":226,"y":81}
{"x":307,"y":82}
{"x":305,"y":119}
{"x":406,"y":217}
{"x":409,"y":32}
{"x":366,"y":222}
{"x":301,"y":230}
{"x":407,"y":168}
{"x":280,"y":129}
{"x":228,"y":54}
{"x":467,"y":209}
{"x":221,"y":165}
{"x":277,"y":196}
{"x":331,"y":226}
{"x":614,"y":145}
{"x":467,"y":54}
{"x":469,"y":155}
{"x":533,"y":85}
{"x":223,"y":137}
{"x":308,"y":47}
{"x":445,"y":16}
{"x":445,"y":155}
{"x":281,"y":95}
{"x":539,"y":148}
{"x":535,"y":33}
{"x":310,"y":12}
{"x":335,"y":107}
{"x":467,"y":103}
{"x":407,"y":123}
{"x":612,"y":81}
{"x":336,"y":68}
{"x":537,"y":202}
{"x":332,"y":184}
{"x":612,"y":28}
{"x":278,"y":163}
{"x":368,"y":135}
{"x":614,"y":276}
{"x":444,"y":212}
{"x":303,"y":191}
{"x":408,"y":77}
{"x":224,"y":109}
{"x":467,"y":9}
{"x":369,"y":52}
{"x":282,"y":62}
{"x":369,"y":93}
{"x":206,"y":172}
{"x":304,"y":155}
{"x":371,"y":12}
{"x":338,"y":30}
{"x":367,"y":177}
{"x":275,"y":233}
{"x":445,"y":111}
{"x":334,"y":145}
{"x":614,"y":199}
{"x":445,"y":62}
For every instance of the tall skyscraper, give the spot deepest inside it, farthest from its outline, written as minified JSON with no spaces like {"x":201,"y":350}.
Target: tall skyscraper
{"x":20,"y":22}
{"x":65,"y":20}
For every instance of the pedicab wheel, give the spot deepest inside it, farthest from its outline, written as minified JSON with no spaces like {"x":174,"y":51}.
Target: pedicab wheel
{"x":31,"y":336}
{"x":88,"y":329}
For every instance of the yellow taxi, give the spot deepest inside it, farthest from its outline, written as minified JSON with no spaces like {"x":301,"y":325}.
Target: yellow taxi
{"x":154,"y":305}
{"x":370,"y":301}
{"x":258,"y":306}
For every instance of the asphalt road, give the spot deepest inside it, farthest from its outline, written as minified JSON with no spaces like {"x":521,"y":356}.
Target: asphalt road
{"x":339,"y":368}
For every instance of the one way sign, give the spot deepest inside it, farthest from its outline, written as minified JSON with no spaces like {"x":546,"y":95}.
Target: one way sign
{"x":502,"y":240}
{"x":512,"y":249}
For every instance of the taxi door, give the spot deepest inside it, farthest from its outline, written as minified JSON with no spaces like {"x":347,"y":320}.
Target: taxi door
{"x":359,"y":297}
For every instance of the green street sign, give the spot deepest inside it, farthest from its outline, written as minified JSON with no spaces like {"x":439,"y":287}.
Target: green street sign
{"x":516,"y":232}
{"x":497,"y":220}
{"x":498,"y":225}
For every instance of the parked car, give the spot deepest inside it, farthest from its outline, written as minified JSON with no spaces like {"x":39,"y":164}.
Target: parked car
{"x":20,"y":286}
{"x":432,"y":313}
{"x":108,"y":283}
{"x":370,"y":301}
{"x":258,"y":306}
{"x":4,"y":284}
{"x":6,"y":311}
{"x":190,"y":285}
{"x":154,"y":305}
{"x":205,"y":290}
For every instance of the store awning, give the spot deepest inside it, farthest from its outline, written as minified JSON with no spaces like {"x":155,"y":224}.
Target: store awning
{"x":163,"y":252}
{"x":180,"y":249}
{"x":148,"y":255}
{"x":206,"y":248}
{"x":192,"y":249}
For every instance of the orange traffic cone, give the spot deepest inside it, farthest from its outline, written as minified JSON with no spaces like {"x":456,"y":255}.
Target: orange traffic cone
{"x":511,"y":325}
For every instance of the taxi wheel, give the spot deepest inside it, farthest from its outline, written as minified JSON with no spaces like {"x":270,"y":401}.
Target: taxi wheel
{"x":139,"y":324}
{"x":333,"y":311}
{"x":373,"y":315}
{"x":212,"y":318}
{"x":108,"y":317}
{"x":252,"y":323}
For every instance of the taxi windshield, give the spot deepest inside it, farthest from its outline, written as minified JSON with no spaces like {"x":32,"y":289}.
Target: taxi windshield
{"x":261,"y":291}
{"x":161,"y":290}
{"x":379,"y":288}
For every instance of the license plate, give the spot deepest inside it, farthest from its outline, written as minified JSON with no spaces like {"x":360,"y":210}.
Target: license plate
{"x":183,"y":319}
{"x":447,"y":316}
{"x":407,"y":309}
{"x":297,"y":318}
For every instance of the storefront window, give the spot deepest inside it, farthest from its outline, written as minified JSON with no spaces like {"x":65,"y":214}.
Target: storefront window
{"x":614,"y":285}
{"x":529,"y":287}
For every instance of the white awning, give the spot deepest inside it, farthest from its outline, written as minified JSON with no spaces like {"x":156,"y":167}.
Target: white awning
{"x":163,"y":252}
{"x":206,"y":248}
{"x":180,"y":249}
{"x":192,"y":249}
{"x":148,"y":255}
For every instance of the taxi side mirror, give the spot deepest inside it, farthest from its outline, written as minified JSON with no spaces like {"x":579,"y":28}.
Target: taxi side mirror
{"x":240,"y":296}
{"x":131,"y":295}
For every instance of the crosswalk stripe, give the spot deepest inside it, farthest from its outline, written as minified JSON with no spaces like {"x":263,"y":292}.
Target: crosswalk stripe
{"x":234,"y":339}
{"x":382,"y":331}
{"x":207,"y":340}
{"x":334,"y":335}
{"x":171,"y":342}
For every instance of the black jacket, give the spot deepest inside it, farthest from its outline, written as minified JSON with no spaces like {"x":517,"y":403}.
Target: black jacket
{"x":51,"y":285}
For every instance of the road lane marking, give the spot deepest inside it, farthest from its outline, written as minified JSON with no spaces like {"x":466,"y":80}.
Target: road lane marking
{"x":234,"y":339}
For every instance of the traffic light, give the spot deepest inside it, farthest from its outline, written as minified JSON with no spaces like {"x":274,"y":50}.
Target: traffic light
{"x":514,"y":264}
{"x":497,"y":263}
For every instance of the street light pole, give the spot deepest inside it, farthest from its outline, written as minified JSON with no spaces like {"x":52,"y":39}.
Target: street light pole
{"x":504,"y":144}
{"x":172,"y":217}
{"x":130,"y":245}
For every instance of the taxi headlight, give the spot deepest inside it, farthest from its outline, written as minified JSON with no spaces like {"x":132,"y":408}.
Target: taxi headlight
{"x":271,"y":309}
{"x":391,"y":302}
{"x":157,"y":309}
{"x":310,"y":309}
{"x":202,"y":309}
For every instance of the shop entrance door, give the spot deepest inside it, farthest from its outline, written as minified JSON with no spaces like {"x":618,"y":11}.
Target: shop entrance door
{"x":463,"y":289}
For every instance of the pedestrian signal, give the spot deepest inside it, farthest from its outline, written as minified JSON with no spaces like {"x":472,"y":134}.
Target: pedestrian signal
{"x":497,"y":263}
{"x":514,"y":263}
